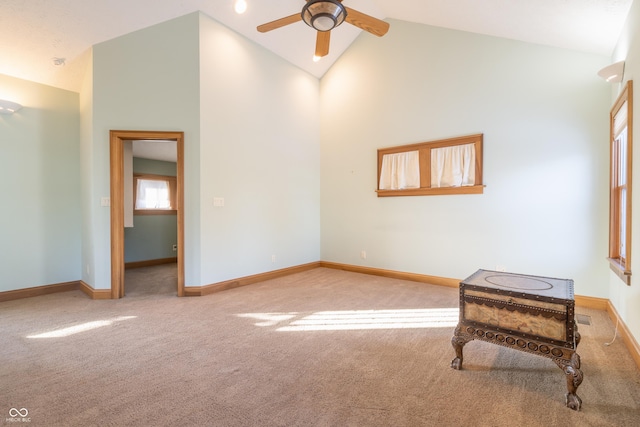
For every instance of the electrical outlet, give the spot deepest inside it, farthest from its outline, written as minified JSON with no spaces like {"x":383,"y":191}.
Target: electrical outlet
{"x":218,"y":202}
{"x":363,"y":254}
{"x":273,"y":258}
{"x":175,"y":248}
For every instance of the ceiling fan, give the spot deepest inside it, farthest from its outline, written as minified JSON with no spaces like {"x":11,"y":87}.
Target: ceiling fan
{"x":325,"y":15}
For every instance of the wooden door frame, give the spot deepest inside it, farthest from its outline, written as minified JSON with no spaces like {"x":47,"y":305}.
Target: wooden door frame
{"x":117,"y":138}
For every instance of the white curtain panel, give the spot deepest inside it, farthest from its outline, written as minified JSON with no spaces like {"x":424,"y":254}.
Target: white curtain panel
{"x":620,"y":120}
{"x":400,"y":171}
{"x":153,"y":194}
{"x":621,"y":143}
{"x":453,"y":166}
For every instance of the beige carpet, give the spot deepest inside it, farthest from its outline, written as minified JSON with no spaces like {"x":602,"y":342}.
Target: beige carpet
{"x":319,"y":348}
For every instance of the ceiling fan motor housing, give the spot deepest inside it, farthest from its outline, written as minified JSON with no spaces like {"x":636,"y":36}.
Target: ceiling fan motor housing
{"x":323,"y":15}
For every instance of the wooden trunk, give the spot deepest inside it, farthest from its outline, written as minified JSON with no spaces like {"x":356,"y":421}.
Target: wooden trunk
{"x":527,"y":313}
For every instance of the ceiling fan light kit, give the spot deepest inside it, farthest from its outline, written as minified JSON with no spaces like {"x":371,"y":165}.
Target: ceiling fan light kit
{"x":323,"y":15}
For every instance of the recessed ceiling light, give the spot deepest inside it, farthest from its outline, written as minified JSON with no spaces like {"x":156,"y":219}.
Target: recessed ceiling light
{"x":240,"y":6}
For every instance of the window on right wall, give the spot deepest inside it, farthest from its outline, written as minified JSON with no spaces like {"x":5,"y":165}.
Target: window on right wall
{"x":621,"y":157}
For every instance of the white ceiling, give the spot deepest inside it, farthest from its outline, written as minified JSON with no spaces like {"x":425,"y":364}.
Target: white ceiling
{"x":159,"y":149}
{"x":35,"y":32}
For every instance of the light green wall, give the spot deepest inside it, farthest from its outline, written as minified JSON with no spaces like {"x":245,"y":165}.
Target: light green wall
{"x":152,"y":236}
{"x":89,"y":205}
{"x":626,"y":299}
{"x":251,"y":136}
{"x":259,"y":151}
{"x":145,"y":80}
{"x":40,"y":171}
{"x":154,"y":167}
{"x":543,"y":113}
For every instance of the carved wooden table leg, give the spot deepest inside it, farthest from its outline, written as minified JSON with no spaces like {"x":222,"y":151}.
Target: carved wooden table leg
{"x":574,"y":377}
{"x":458,"y":341}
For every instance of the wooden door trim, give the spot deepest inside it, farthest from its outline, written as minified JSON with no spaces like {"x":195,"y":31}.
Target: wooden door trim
{"x":116,"y":148}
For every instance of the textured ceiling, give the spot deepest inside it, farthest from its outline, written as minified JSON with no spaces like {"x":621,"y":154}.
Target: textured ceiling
{"x":35,"y":32}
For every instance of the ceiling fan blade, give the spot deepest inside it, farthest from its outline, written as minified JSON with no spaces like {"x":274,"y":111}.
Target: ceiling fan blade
{"x":279,"y":23}
{"x":322,"y":43}
{"x":365,"y":22}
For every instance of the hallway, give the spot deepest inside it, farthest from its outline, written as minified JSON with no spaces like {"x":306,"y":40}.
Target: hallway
{"x":155,"y":280}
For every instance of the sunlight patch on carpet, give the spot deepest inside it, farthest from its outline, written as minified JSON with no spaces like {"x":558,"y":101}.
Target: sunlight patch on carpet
{"x":359,"y":319}
{"x":269,"y":319}
{"x":82,"y":327}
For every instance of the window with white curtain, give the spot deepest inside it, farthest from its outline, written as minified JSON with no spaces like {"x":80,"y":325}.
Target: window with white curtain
{"x":154,"y":194}
{"x":453,"y":166}
{"x":448,"y":166}
{"x":620,"y":185}
{"x":400,"y":170}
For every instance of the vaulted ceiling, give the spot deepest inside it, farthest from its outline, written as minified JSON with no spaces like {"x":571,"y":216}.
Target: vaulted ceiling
{"x":47,"y":41}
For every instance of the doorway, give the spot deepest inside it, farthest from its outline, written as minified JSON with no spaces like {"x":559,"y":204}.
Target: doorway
{"x":117,"y":141}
